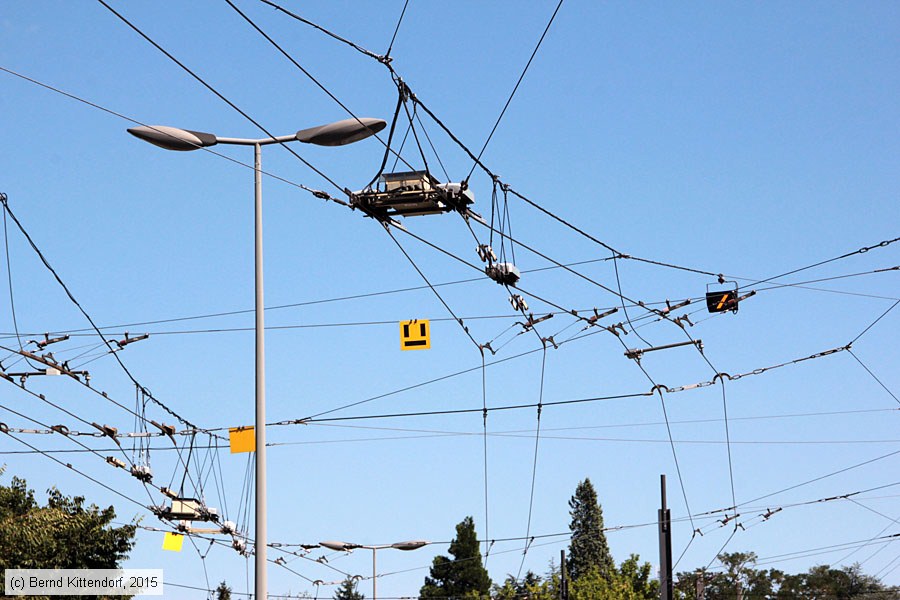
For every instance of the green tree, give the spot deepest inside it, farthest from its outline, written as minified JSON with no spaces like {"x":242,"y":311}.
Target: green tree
{"x":640,"y":578}
{"x":223,"y":592}
{"x":841,"y":584}
{"x":532,"y":587}
{"x":462,"y":576}
{"x":588,"y":548}
{"x":64,"y":534}
{"x":348,"y":591}
{"x":596,"y":585}
{"x":740,"y":580}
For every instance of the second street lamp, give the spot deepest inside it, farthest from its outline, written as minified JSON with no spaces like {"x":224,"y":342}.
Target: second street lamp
{"x":334,"y":134}
{"x":347,"y":547}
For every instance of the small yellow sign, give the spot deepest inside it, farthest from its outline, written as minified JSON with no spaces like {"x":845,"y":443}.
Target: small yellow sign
{"x":242,"y":439}
{"x":173,"y":542}
{"x":415,"y":334}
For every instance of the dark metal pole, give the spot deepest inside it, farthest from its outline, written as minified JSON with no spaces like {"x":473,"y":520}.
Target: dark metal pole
{"x":563,"y":581}
{"x":665,"y":546}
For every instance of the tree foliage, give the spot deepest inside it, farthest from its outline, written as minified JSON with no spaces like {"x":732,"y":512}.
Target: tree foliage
{"x":64,"y":534}
{"x":223,"y":592}
{"x":462,"y":576}
{"x":588,"y":549}
{"x":741,"y":580}
{"x":348,"y":591}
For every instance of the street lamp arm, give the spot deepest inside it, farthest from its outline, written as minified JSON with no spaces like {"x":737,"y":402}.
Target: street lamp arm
{"x":263,"y":142}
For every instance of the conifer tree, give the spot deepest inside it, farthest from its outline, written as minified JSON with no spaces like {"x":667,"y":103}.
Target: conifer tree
{"x":462,"y":576}
{"x":588,"y":549}
{"x":223,"y":592}
{"x":348,"y":591}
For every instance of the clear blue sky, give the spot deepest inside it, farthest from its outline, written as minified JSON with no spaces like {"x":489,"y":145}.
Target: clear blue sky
{"x":748,"y":140}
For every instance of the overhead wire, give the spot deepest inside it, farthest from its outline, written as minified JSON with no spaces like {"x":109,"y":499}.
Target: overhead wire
{"x":331,"y":34}
{"x":871,"y":325}
{"x":862,"y":250}
{"x":309,"y":75}
{"x":515,"y":89}
{"x":85,"y":475}
{"x":537,"y":438}
{"x":387,"y":54}
{"x":436,"y":293}
{"x":217,"y":93}
{"x":779,"y":276}
{"x":875,"y":377}
{"x":85,"y":313}
{"x":317,"y":193}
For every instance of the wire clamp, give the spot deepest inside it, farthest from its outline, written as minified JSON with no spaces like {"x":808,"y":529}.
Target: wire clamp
{"x":130,"y":340}
{"x":60,"y":429}
{"x":518,"y":303}
{"x":612,"y":329}
{"x":532,"y":321}
{"x":598,"y":315}
{"x":680,"y":321}
{"x":47,"y":341}
{"x":769,"y":512}
{"x":487,"y":345}
{"x":108,"y":431}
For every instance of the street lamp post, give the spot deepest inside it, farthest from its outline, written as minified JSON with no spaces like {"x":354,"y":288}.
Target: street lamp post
{"x":346,"y":547}
{"x":334,"y":134}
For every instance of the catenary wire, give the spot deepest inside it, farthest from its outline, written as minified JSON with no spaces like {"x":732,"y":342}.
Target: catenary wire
{"x":515,"y":89}
{"x":217,"y":93}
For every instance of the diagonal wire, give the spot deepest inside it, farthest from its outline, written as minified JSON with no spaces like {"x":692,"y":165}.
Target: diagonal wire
{"x":353,"y":45}
{"x":875,"y":377}
{"x":521,"y":77}
{"x":216,"y":92}
{"x":436,"y":293}
{"x":387,"y":54}
{"x":883,"y":315}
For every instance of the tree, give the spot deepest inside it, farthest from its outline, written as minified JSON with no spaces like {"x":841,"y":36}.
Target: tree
{"x":742,"y":581}
{"x":588,"y":548}
{"x":348,"y":591}
{"x":223,"y":592}
{"x":65,"y":534}
{"x":639,"y":578}
{"x":594,"y":585}
{"x":531,"y":586}
{"x":462,"y":576}
{"x":842,"y":584}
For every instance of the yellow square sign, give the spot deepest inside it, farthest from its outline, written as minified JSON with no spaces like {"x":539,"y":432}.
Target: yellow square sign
{"x":173,"y":542}
{"x":242,"y":439}
{"x":415,"y":334}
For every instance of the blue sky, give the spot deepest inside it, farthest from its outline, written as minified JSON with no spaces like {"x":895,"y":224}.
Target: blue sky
{"x":748,"y":140}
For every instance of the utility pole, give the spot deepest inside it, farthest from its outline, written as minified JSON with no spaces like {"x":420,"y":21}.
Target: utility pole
{"x":665,"y":546}
{"x":563,"y":580}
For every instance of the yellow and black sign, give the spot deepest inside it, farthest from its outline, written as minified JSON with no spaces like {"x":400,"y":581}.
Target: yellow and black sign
{"x":717,"y":302}
{"x":415,"y":334}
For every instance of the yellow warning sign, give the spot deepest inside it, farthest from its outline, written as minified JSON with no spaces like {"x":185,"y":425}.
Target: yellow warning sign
{"x":173,"y":542}
{"x":242,"y":439}
{"x":415,"y":334}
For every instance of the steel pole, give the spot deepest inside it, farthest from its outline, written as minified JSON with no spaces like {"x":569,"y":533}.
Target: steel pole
{"x":374,"y":576}
{"x":260,"y":580}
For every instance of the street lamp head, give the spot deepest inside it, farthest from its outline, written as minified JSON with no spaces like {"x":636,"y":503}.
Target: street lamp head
{"x":410,"y":545}
{"x":173,"y":138}
{"x":341,"y":133}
